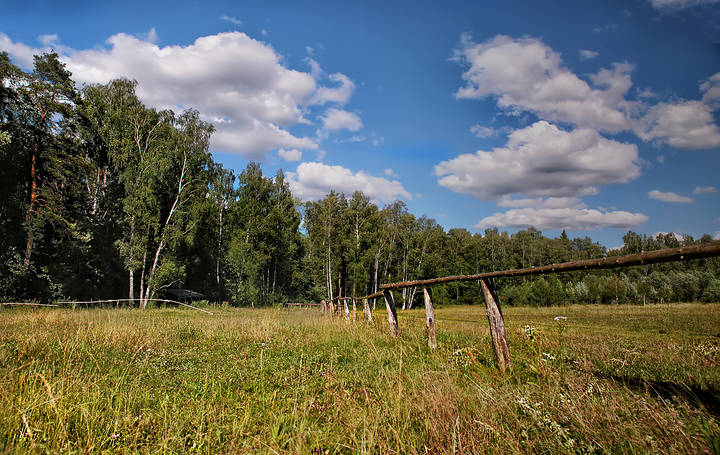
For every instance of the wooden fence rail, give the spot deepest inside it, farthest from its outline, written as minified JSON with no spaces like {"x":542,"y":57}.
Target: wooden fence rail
{"x":492,"y":302}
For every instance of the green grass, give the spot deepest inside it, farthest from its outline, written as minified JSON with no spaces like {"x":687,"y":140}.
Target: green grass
{"x":610,"y":379}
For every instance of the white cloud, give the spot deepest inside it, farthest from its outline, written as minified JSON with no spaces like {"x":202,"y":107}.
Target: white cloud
{"x":312,"y":181}
{"x":235,"y":81}
{"x":390,"y":173}
{"x":47,"y":40}
{"x":21,"y":53}
{"x":586,"y":54}
{"x":231,"y":19}
{"x":660,"y":159}
{"x":711,"y":90}
{"x":339,"y":119}
{"x":525,"y":74}
{"x":581,"y":219}
{"x":541,"y":161}
{"x":686,"y":124}
{"x":665,"y":5}
{"x":704,"y":190}
{"x":668,"y":196}
{"x":716,"y":235}
{"x":482,"y":131}
{"x":378,"y":141}
{"x":263,"y":32}
{"x":309,"y":50}
{"x":150,"y":36}
{"x":290,"y":155}
{"x":340,"y":94}
{"x":605,"y":28}
{"x":646,"y":93}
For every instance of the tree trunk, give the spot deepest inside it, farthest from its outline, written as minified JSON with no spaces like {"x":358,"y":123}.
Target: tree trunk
{"x":497,"y":325}
{"x":391,"y":312}
{"x":31,"y":206}
{"x":430,"y":320}
{"x":132,"y":285}
{"x":143,"y":303}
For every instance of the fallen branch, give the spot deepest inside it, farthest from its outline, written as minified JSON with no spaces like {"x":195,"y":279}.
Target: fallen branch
{"x":86,"y":302}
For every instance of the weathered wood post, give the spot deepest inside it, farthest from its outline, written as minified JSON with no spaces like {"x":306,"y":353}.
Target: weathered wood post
{"x":392,"y":314}
{"x":366,"y":310}
{"x":354,"y":310}
{"x":347,"y":310}
{"x":429,"y":320}
{"x":332,"y":308}
{"x":323,"y":307}
{"x":497,"y":325}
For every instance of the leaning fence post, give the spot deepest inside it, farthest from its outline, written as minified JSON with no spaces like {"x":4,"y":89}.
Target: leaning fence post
{"x":392,"y":314}
{"x":497,"y":325}
{"x":430,"y":320}
{"x":366,"y":310}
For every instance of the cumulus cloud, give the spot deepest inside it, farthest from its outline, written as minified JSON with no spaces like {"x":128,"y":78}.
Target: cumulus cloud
{"x":666,"y":5}
{"x":238,"y":83}
{"x":704,"y":190}
{"x":579,"y":219}
{"x":525,"y":75}
{"x":340,"y":94}
{"x":312,"y":181}
{"x":482,"y":131}
{"x":22,"y":53}
{"x":338,"y":119}
{"x":711,"y":90}
{"x":541,"y":160}
{"x":586,"y":54}
{"x":231,"y":19}
{"x":668,"y":196}
{"x":688,"y":125}
{"x":47,"y":40}
{"x":290,"y":155}
{"x":390,"y":173}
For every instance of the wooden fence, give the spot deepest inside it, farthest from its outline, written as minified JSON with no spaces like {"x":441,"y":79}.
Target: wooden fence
{"x":492,"y":303}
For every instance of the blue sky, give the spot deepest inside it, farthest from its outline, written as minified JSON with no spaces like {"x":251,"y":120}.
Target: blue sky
{"x":597,"y":117}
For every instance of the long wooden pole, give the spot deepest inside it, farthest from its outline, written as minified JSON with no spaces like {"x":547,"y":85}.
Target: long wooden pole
{"x":704,"y":250}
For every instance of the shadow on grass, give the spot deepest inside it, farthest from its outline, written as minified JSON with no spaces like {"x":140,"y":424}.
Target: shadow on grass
{"x":697,"y":397}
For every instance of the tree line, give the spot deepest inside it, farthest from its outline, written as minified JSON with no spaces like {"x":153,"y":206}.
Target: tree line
{"x":103,"y":197}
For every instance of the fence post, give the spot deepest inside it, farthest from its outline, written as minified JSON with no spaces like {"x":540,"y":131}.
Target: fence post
{"x":430,"y":320}
{"x":354,"y":310}
{"x":323,"y":307}
{"x":392,"y":314}
{"x":366,"y":310}
{"x":346,"y":309}
{"x":497,"y":325}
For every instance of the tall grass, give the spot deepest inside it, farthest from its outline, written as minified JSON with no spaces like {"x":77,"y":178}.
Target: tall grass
{"x":609,"y":379}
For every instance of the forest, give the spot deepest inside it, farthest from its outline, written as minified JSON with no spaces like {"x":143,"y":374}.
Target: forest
{"x":103,"y":197}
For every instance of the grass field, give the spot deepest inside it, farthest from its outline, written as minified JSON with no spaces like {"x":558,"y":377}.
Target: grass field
{"x":609,"y":379}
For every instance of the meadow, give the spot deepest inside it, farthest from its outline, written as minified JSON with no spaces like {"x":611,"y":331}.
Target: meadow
{"x":607,"y":379}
